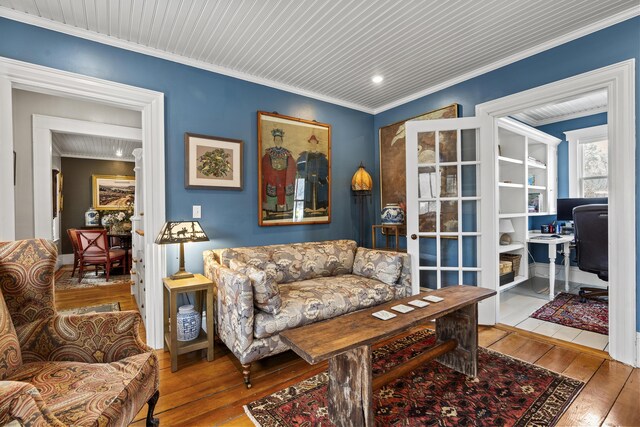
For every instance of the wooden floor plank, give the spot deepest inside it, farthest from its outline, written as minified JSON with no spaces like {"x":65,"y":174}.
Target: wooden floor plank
{"x":509,"y":344}
{"x":626,"y":409}
{"x":583,"y":367}
{"x":596,"y":399}
{"x":488,"y":335}
{"x":557,"y":359}
{"x":531,"y":351}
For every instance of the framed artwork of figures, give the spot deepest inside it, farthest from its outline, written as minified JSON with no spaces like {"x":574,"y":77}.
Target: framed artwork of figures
{"x":294,"y":170}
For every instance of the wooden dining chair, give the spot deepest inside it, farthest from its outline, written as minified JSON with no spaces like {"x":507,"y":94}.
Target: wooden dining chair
{"x":94,"y":251}
{"x":73,"y":237}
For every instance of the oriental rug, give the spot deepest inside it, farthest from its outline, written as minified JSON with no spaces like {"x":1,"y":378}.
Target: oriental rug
{"x":566,"y":309}
{"x":64,"y":281}
{"x":507,"y":392}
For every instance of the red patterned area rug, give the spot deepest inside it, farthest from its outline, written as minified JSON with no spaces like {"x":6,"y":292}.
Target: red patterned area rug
{"x":507,"y":392}
{"x":566,"y":309}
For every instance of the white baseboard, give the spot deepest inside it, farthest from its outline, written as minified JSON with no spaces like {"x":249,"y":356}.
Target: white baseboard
{"x":638,"y":350}
{"x":65,"y":259}
{"x":541,"y":269}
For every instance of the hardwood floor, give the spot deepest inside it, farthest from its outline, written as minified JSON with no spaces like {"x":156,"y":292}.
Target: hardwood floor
{"x":212,"y":393}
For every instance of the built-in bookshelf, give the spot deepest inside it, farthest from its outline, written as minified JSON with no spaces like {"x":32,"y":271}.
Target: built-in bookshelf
{"x":526,"y":184}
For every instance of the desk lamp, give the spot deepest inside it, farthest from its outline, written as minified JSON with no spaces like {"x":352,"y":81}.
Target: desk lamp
{"x":181,"y":232}
{"x":505,"y":227}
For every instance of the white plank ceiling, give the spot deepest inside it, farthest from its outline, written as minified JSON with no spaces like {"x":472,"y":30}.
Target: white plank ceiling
{"x":326,"y":48}
{"x":93,"y":147}
{"x":582,"y":106}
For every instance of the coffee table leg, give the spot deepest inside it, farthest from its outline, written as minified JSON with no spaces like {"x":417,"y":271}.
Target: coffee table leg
{"x":350,"y":388}
{"x":461,"y":325}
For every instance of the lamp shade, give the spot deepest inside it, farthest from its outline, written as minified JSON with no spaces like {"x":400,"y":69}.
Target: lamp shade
{"x":361,"y":180}
{"x":181,"y":232}
{"x":505,"y":226}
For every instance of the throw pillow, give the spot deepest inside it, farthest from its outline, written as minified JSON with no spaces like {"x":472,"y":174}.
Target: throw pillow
{"x":266,"y":295}
{"x":381,"y":265}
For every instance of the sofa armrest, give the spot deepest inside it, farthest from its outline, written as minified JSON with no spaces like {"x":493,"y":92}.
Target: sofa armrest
{"x":88,"y":338}
{"x":22,"y":402}
{"x":405,"y":275}
{"x":374,"y":263}
{"x":234,"y":306}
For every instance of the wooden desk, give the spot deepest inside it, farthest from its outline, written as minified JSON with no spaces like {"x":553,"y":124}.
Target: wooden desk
{"x":198,"y":284}
{"x":351,"y":383}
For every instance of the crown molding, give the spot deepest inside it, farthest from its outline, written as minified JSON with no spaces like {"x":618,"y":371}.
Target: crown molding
{"x":122,"y":44}
{"x":596,"y":26}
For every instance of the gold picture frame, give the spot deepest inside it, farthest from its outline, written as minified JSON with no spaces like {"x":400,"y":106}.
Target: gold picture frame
{"x":113,"y":192}
{"x":294,"y":170}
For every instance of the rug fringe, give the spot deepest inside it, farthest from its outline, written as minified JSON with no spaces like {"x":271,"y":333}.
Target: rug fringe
{"x":248,"y":412}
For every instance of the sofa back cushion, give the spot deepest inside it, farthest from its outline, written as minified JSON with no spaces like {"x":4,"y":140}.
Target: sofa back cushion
{"x":266,"y":295}
{"x":296,"y":261}
{"x":381,"y":265}
{"x":10,"y":356}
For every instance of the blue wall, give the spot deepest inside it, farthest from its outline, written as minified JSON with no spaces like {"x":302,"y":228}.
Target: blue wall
{"x":605,"y":47}
{"x":203,"y":102}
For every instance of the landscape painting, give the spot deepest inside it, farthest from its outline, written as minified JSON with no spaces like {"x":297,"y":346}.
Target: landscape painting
{"x":113,"y":192}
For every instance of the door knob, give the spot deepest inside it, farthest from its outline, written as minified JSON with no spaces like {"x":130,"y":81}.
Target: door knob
{"x":414,"y":237}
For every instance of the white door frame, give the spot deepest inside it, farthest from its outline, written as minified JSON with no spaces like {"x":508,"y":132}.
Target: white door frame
{"x":43,"y":126}
{"x":619,"y":81}
{"x":22,"y":75}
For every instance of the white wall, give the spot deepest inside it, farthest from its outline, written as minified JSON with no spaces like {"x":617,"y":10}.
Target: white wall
{"x":25,"y":104}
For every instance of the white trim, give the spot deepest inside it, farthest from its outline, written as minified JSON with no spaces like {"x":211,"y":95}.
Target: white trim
{"x":134,"y":47}
{"x":575,"y":138}
{"x":96,"y":157}
{"x":541,"y":269}
{"x":26,"y":76}
{"x":65,"y":259}
{"x":638,"y":351}
{"x":619,"y":81}
{"x":43,"y":126}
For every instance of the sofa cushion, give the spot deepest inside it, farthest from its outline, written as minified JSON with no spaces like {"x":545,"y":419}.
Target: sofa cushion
{"x":10,"y":355}
{"x":266,"y":295}
{"x":321,"y":298}
{"x":93,"y":393}
{"x":381,"y":265}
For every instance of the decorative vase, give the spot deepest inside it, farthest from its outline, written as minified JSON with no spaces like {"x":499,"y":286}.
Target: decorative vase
{"x":104,"y":221}
{"x":188,"y":323}
{"x":91,"y":218}
{"x":392,"y":214}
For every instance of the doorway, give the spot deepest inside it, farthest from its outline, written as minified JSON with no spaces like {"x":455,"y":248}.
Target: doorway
{"x":150,"y":104}
{"x":618,"y":81}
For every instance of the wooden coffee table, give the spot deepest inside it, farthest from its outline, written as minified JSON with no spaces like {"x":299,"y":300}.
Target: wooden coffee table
{"x":346,"y":342}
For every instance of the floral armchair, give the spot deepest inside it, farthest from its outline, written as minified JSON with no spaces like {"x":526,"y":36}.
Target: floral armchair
{"x":58,"y":370}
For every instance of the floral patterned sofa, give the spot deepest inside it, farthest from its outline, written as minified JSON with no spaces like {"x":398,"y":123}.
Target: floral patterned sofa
{"x":264,"y":290}
{"x":66,"y":370}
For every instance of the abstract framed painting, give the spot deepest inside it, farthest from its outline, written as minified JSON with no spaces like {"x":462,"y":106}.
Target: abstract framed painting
{"x":294,"y":170}
{"x":113,"y":192}
{"x":393,"y":170}
{"x":212,"y":162}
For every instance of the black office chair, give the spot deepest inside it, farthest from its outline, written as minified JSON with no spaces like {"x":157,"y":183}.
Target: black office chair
{"x":592,"y":245}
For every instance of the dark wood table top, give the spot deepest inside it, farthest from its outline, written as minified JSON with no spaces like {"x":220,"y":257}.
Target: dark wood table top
{"x":323,"y":340}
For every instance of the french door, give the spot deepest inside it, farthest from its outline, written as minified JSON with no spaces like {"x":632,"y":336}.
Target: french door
{"x":443,"y":203}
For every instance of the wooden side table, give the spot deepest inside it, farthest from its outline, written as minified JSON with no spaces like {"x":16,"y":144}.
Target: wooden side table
{"x":200,"y":285}
{"x":387,"y":230}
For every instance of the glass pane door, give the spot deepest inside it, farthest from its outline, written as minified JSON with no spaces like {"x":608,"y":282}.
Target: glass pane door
{"x":443,"y":202}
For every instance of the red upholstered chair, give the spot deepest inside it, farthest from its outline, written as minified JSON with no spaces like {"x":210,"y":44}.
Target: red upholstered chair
{"x":73,"y":237}
{"x":63,"y":370}
{"x":94,"y":250}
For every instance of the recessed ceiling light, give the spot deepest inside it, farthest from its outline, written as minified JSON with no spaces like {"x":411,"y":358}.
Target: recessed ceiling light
{"x":119,"y":152}
{"x":377,"y":79}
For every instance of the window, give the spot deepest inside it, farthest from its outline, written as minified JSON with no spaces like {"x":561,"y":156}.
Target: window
{"x":588,"y":162}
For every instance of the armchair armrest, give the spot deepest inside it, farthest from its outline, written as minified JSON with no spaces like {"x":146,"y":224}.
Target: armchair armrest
{"x":234,"y":306}
{"x":87,"y":338}
{"x":21,"y":401}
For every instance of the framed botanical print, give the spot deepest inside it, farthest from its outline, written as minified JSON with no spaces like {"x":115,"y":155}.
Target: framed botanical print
{"x":294,"y":170}
{"x":212,"y":162}
{"x":393,"y":170}
{"x":113,"y":192}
